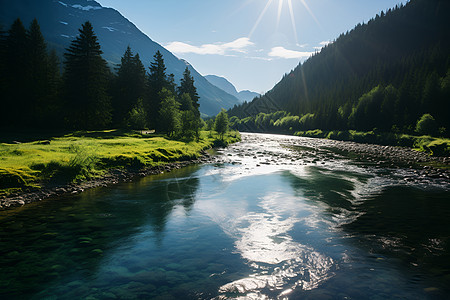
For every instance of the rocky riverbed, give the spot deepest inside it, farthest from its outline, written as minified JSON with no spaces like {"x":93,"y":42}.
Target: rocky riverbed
{"x":255,"y":151}
{"x":263,"y":150}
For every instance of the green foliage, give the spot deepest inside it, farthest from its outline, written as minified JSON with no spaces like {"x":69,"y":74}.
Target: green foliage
{"x":157,"y":81}
{"x":187,"y":87}
{"x":128,"y":86}
{"x":137,"y":117}
{"x":85,"y":82}
{"x":169,"y":114}
{"x":221,"y":123}
{"x":189,"y":124}
{"x":86,"y":154}
{"x":387,"y":72}
{"x":426,"y":125}
{"x":209,"y":124}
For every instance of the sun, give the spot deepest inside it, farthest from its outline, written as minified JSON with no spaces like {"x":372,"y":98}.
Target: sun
{"x":280,"y":9}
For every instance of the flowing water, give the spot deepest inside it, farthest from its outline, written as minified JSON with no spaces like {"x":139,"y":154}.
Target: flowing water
{"x":276,"y":217}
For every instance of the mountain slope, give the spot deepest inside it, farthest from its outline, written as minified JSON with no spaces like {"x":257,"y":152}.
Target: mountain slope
{"x":60,"y":21}
{"x":228,"y":87}
{"x":404,"y":51}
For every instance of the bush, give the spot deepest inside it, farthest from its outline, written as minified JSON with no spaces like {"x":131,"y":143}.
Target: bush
{"x":426,"y":125}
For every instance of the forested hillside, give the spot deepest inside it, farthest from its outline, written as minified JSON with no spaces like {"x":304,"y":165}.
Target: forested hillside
{"x":60,"y":21}
{"x":385,"y":74}
{"x":88,"y":95}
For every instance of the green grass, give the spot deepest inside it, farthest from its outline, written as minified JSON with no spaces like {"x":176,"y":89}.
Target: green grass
{"x":431,"y":145}
{"x":84,"y":155}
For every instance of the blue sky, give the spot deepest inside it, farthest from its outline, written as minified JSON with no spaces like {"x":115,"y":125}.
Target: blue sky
{"x":252,"y":43}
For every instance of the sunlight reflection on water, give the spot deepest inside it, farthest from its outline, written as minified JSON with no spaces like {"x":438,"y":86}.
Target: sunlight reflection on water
{"x":279,"y":263}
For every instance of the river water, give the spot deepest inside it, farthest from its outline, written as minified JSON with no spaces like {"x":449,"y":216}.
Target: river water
{"x":275,"y":217}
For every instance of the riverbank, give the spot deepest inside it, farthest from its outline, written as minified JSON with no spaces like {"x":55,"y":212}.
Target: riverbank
{"x":35,"y":170}
{"x":430,"y":145}
{"x":316,"y":151}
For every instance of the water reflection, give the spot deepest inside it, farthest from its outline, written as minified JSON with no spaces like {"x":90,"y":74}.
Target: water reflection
{"x":70,"y":238}
{"x":261,"y":225}
{"x":281,"y":222}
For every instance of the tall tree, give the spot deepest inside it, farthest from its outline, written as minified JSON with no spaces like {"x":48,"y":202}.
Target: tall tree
{"x":157,"y":80}
{"x":38,"y":76}
{"x":128,"y":87}
{"x":2,"y":67}
{"x":85,"y":82}
{"x":187,"y":87}
{"x":16,"y":69}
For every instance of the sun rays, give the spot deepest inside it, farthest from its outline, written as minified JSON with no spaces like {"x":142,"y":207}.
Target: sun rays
{"x":279,"y":14}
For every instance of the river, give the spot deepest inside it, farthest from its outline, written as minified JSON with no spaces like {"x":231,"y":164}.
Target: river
{"x":274,"y":217}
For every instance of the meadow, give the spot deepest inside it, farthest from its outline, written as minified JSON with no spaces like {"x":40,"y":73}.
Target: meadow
{"x":31,"y":163}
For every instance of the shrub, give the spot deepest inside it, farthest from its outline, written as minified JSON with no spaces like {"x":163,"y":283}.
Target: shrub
{"x":426,"y":125}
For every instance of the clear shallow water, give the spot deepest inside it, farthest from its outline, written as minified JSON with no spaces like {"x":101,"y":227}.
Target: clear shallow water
{"x":277,"y":217}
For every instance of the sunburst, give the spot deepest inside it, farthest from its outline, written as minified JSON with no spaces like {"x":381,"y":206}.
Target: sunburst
{"x":280,"y":9}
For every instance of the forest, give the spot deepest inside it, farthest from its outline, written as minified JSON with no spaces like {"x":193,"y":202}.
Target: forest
{"x":391,"y":75}
{"x":83,"y":93}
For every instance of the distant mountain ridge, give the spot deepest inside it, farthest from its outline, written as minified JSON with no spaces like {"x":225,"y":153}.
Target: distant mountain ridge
{"x":224,"y":84}
{"x":60,"y":21}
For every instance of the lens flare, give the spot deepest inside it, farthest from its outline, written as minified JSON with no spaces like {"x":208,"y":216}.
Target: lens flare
{"x":280,"y":11}
{"x":280,"y":8}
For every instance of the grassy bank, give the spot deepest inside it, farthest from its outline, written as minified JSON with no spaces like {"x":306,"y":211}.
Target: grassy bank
{"x":431,"y":145}
{"x":83,"y":155}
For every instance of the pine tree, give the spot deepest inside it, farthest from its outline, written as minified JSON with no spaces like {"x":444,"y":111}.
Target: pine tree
{"x":2,"y":68}
{"x":38,"y":80}
{"x":157,"y":80}
{"x":128,"y":87}
{"x":187,"y":87}
{"x":85,"y":82}
{"x":16,"y":70}
{"x":52,"y":116}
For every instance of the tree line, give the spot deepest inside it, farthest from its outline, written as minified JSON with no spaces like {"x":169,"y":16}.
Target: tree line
{"x":384,"y":75}
{"x":83,"y":93}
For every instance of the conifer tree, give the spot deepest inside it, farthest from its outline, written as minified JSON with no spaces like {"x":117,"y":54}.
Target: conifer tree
{"x":128,"y":87}
{"x":187,"y":87}
{"x":85,"y":82}
{"x":38,"y":76}
{"x":2,"y":67}
{"x":157,"y":80}
{"x":16,"y":69}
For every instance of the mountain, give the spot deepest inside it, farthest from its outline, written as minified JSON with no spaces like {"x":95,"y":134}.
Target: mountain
{"x":60,"y":21}
{"x":385,"y":75}
{"x":224,"y":84}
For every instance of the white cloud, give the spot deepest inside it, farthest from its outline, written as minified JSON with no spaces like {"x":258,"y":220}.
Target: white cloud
{"x":324,"y":43}
{"x":238,"y":45}
{"x":285,"y":53}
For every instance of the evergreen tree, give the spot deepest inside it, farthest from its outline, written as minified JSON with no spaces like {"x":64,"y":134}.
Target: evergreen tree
{"x":15,"y":81}
{"x":185,"y":101}
{"x":52,"y":115}
{"x":128,"y":86}
{"x":157,"y":80}
{"x":187,"y":87}
{"x":169,"y":114}
{"x":38,"y":91}
{"x":85,"y":82}
{"x":2,"y":68}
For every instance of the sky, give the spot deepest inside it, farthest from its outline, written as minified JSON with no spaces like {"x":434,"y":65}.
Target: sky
{"x":252,"y":43}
